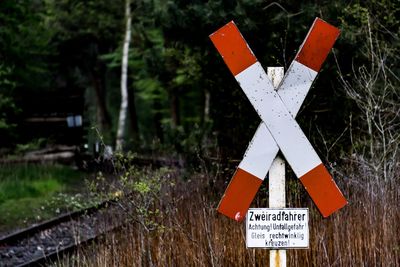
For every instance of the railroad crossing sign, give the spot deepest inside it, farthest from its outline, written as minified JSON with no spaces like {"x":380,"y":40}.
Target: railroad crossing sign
{"x":278,"y":129}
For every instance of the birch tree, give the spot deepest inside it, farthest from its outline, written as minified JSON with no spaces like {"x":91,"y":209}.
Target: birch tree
{"x":124,"y":80}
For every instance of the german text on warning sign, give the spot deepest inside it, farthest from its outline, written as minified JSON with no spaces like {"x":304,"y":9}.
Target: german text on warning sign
{"x":277,"y":228}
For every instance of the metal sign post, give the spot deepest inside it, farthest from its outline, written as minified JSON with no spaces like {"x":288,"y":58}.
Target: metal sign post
{"x":276,"y":182}
{"x":277,"y":228}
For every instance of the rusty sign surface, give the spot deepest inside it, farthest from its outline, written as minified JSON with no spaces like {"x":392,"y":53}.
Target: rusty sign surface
{"x":277,"y":110}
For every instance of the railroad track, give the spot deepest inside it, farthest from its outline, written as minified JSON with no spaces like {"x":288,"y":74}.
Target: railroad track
{"x":50,"y":240}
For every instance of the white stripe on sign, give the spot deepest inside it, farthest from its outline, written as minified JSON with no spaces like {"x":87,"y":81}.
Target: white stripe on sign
{"x":286,"y":132}
{"x":260,"y":153}
{"x":262,"y":149}
{"x":295,"y":86}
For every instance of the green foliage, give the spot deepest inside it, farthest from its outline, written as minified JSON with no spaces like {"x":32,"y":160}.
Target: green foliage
{"x":33,"y":145}
{"x":86,"y":30}
{"x":24,"y":45}
{"x":8,"y":108}
{"x":74,"y":18}
{"x":29,"y":193}
{"x":25,"y":51}
{"x":373,"y":85}
{"x":18,"y":212}
{"x":70,"y":201}
{"x":33,"y":180}
{"x":58,"y":45}
{"x":137,"y":189}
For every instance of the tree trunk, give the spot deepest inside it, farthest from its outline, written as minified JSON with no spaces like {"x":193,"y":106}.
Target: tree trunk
{"x":124,"y":80}
{"x":134,"y":125}
{"x":103,"y":116}
{"x":157,"y":120}
{"x":206,"y":112}
{"x":175,"y":114}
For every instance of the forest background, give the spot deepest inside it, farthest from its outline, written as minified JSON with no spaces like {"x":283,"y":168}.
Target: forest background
{"x":183,"y":103}
{"x":182,"y":98}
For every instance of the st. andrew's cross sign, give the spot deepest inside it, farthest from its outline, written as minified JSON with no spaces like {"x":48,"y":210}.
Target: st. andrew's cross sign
{"x":278,"y":129}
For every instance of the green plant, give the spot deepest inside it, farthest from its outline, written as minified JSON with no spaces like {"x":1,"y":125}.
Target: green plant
{"x":32,"y":145}
{"x":30,"y":193}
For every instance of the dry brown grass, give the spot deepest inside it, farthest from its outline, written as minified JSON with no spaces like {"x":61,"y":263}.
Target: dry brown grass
{"x":189,"y":232}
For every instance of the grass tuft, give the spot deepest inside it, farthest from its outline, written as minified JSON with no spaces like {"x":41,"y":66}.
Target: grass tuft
{"x":30,"y":193}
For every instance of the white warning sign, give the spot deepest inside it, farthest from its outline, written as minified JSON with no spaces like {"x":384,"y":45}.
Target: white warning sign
{"x":277,"y":228}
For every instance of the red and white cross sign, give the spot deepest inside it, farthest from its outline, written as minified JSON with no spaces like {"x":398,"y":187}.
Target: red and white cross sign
{"x":278,"y":129}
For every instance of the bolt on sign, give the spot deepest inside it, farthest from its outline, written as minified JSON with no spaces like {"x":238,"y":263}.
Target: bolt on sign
{"x":277,"y":228}
{"x":278,"y":129}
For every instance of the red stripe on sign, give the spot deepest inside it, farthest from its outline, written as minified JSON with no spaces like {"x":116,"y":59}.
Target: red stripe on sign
{"x":233,"y":48}
{"x":239,"y":195}
{"x":318,"y":43}
{"x":323,"y":190}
